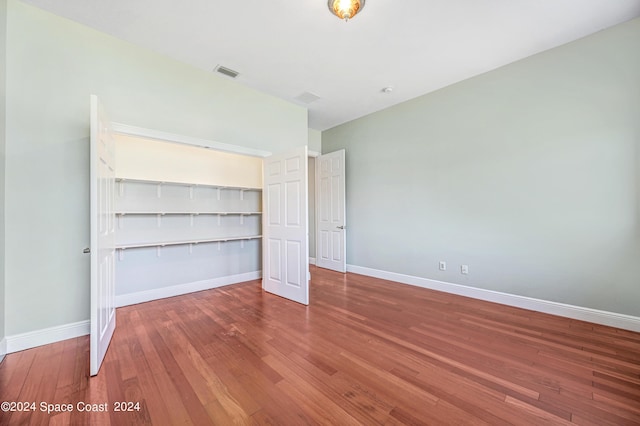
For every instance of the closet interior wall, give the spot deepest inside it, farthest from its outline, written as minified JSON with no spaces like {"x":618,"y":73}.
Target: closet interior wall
{"x":187,"y":219}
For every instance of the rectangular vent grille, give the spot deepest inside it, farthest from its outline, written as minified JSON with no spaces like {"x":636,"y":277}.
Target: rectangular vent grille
{"x":306,"y":98}
{"x":226,"y":71}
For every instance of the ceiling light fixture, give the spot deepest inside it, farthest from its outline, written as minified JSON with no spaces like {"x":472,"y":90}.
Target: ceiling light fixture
{"x":345,"y":9}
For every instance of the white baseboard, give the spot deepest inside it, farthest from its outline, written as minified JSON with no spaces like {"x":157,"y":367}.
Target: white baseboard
{"x":312,"y":261}
{"x":612,"y":319}
{"x":3,"y":348}
{"x":177,"y":290}
{"x":20,"y":342}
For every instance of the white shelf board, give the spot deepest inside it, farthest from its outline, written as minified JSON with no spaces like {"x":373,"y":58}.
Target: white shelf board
{"x":148,"y":213}
{"x":183,"y":242}
{"x":160,"y":182}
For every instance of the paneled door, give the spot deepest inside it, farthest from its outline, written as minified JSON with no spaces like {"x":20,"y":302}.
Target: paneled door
{"x":285,"y":234}
{"x":102,"y":248}
{"x":330,"y":190}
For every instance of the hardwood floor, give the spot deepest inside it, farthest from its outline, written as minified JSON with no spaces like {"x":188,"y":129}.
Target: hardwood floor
{"x":366,"y":351}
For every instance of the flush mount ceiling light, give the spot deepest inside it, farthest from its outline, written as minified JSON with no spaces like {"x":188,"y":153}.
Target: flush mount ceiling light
{"x":345,"y":9}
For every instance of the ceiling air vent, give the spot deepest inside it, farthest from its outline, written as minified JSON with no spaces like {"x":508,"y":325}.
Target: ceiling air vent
{"x":226,"y":71}
{"x":306,"y":98}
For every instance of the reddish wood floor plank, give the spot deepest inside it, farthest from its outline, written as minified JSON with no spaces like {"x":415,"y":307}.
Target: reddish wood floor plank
{"x":366,"y":351}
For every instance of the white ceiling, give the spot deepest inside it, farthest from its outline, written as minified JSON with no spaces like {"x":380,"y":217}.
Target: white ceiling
{"x":288,"y":47}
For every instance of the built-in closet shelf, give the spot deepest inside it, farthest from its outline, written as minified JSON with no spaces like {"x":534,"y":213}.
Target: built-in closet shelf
{"x":161,"y":182}
{"x":149,"y":213}
{"x":183,"y":242}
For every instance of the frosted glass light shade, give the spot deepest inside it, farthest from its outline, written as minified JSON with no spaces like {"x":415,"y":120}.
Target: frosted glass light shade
{"x":345,"y":9}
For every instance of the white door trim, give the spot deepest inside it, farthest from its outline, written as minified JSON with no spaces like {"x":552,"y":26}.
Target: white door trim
{"x":127,"y":129}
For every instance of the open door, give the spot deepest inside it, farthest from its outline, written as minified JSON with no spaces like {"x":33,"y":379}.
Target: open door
{"x":285,"y":239}
{"x":102,"y":186}
{"x":330,"y":189}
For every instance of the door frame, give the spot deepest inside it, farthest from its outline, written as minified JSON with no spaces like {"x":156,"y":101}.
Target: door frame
{"x":312,"y":260}
{"x":125,"y":129}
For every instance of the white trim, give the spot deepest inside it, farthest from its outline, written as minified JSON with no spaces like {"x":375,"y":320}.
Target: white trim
{"x":612,"y":319}
{"x":313,"y":154}
{"x":312,"y":261}
{"x":32,"y":339}
{"x":3,"y":348}
{"x":180,"y":289}
{"x":20,"y":342}
{"x":187,"y":140}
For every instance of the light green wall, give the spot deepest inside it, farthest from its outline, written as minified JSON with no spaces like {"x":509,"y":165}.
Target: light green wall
{"x":529,"y":174}
{"x":3,"y":36}
{"x":315,"y":140}
{"x":53,"y":65}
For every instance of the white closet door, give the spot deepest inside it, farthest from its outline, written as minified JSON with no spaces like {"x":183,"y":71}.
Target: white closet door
{"x":330,"y":189}
{"x":102,"y":190}
{"x":285,"y":262}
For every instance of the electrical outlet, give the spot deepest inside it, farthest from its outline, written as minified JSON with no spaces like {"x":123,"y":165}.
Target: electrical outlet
{"x":442,"y":265}
{"x":464,"y":269}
